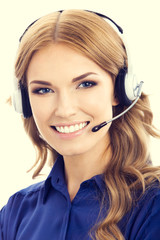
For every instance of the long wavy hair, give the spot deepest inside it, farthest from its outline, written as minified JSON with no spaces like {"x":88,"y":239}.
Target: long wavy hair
{"x":130,"y":167}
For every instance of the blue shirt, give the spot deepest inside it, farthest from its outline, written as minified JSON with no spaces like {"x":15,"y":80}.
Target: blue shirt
{"x":44,"y":211}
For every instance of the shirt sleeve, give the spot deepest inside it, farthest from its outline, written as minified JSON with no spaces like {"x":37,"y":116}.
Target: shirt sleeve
{"x":152,"y":226}
{"x":143,"y":222}
{"x":7,"y":219}
{"x":1,"y":233}
{"x":146,"y":222}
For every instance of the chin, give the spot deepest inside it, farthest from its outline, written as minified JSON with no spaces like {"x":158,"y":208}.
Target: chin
{"x":70,"y":151}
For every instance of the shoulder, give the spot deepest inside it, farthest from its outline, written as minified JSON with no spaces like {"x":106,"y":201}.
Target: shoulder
{"x":21,"y":203}
{"x":149,"y":213}
{"x":143,"y":221}
{"x":31,"y":189}
{"x":150,"y":196}
{"x":149,"y":201}
{"x":28,"y":194}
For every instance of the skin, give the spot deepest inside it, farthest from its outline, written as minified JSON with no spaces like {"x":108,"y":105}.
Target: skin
{"x":58,"y":99}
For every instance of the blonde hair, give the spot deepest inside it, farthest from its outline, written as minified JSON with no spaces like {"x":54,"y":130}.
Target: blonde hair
{"x":130,"y":167}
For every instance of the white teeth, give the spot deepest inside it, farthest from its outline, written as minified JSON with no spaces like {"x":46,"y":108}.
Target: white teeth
{"x":76,"y":127}
{"x":66,"y":129}
{"x":72,"y":128}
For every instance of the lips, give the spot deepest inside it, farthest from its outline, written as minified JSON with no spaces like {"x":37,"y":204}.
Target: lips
{"x":71,"y":128}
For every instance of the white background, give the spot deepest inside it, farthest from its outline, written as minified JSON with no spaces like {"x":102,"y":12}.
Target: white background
{"x":140,"y":20}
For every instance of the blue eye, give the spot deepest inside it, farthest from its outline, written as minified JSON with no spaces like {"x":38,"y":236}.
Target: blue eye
{"x":42,"y":91}
{"x":87,"y":84}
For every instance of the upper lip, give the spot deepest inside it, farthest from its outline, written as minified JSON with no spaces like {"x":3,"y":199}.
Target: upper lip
{"x":69,"y":124}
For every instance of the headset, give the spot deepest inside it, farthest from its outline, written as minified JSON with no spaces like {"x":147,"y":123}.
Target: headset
{"x":127,"y":88}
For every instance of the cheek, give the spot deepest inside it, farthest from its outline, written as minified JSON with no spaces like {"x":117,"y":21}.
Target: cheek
{"x":41,"y":111}
{"x":98,"y":104}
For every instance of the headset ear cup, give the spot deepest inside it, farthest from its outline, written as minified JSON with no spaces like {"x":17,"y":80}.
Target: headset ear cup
{"x":131,"y":86}
{"x":120,"y":89}
{"x":20,"y":101}
{"x":17,"y":101}
{"x":27,"y":111}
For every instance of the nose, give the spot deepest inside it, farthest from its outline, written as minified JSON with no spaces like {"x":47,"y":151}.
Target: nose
{"x":65,"y":106}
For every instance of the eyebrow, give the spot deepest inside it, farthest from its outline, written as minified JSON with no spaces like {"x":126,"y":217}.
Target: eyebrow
{"x":73,"y":80}
{"x":41,"y":82}
{"x":83,"y":76}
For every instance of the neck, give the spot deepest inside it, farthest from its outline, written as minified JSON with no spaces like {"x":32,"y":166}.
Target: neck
{"x":82,"y":167}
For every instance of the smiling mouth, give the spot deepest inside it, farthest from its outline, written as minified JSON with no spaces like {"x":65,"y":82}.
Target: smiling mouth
{"x":71,"y":128}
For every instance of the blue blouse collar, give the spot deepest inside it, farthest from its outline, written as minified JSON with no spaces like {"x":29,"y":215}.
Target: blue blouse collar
{"x":57,"y":175}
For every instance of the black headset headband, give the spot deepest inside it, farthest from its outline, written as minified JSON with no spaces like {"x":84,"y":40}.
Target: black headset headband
{"x":104,"y":16}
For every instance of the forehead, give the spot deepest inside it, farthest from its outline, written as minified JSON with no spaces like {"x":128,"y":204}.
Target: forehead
{"x":57,"y":60}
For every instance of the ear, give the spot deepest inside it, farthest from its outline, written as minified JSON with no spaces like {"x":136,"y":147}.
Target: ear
{"x":115,"y":101}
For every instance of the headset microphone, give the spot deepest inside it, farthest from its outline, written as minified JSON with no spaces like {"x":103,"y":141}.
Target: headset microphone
{"x":98,"y":127}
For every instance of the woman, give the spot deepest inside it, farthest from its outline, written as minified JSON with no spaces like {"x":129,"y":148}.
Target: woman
{"x":70,"y":66}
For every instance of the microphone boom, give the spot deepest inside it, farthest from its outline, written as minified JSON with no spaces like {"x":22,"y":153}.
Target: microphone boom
{"x":98,"y":127}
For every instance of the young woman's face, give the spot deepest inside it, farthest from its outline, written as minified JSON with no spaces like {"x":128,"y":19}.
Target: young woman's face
{"x":69,"y":95}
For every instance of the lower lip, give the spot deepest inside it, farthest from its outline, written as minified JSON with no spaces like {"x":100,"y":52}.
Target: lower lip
{"x":70,"y":135}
